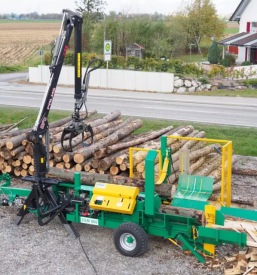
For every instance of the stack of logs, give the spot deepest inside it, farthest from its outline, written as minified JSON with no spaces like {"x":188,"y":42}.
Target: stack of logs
{"x":110,"y":152}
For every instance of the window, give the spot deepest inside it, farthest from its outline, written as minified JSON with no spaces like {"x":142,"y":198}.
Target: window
{"x":254,"y":27}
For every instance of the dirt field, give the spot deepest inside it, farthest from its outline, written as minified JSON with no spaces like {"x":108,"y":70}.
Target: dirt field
{"x":19,"y":41}
{"x":232,"y":25}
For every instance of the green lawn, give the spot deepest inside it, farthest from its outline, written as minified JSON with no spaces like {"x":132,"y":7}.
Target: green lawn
{"x":243,"y":138}
{"x":231,"y":31}
{"x":30,"y":21}
{"x":238,"y":93}
{"x":195,"y":58}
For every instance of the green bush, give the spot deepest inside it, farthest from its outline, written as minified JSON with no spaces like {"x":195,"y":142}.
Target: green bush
{"x":204,"y":80}
{"x":250,"y":82}
{"x":246,"y":63}
{"x":69,"y":59}
{"x":179,"y":68}
{"x":139,"y":66}
{"x":47,"y":58}
{"x":114,"y":62}
{"x":232,"y":59}
{"x":10,"y":69}
{"x":164,"y":66}
{"x":214,"y":53}
{"x":225,"y":62}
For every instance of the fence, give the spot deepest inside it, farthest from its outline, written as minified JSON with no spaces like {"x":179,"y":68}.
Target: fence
{"x":117,"y":79}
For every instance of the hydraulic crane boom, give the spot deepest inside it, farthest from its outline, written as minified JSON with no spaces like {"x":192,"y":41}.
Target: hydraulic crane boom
{"x":41,"y":197}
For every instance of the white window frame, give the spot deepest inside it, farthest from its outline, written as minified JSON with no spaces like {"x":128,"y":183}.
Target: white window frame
{"x":254,"y":27}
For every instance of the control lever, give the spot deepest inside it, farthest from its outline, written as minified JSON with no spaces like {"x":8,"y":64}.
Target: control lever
{"x":73,"y":130}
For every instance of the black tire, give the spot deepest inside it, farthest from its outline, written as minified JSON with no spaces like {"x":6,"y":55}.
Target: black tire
{"x":137,"y":245}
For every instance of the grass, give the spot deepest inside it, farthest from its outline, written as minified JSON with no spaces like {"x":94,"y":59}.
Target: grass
{"x":195,"y":58}
{"x":243,"y":138}
{"x":30,"y":21}
{"x":12,"y":68}
{"x":238,"y":93}
{"x":231,"y":31}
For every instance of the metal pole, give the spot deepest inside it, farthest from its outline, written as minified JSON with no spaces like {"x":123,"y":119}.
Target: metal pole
{"x":190,"y":52}
{"x":41,"y":67}
{"x":107,"y":76}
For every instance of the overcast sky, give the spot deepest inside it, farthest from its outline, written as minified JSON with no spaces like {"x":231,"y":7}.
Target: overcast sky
{"x":224,"y":7}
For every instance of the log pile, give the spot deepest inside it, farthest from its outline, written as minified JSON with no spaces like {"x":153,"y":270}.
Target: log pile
{"x":109,"y":155}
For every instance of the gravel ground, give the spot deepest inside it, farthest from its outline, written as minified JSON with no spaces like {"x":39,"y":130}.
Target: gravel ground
{"x":30,"y":249}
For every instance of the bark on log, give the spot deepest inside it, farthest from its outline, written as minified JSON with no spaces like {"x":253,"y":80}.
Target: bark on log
{"x":112,"y":139}
{"x":185,"y":212}
{"x":17,"y":150}
{"x":244,"y":171}
{"x":151,"y":136}
{"x":15,"y":141}
{"x":21,"y":155}
{"x":107,"y":118}
{"x":6,"y":154}
{"x":236,"y":199}
{"x":68,"y":156}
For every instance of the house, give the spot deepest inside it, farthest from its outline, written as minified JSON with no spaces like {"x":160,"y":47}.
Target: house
{"x":246,"y":39}
{"x":134,"y":50}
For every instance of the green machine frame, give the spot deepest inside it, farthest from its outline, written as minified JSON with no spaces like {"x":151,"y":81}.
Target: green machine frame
{"x":146,"y":214}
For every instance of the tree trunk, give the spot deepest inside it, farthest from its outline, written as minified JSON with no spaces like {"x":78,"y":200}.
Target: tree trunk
{"x":242,"y":171}
{"x":15,"y":141}
{"x":112,"y":139}
{"x":140,"y":140}
{"x":110,"y":117}
{"x":184,"y":212}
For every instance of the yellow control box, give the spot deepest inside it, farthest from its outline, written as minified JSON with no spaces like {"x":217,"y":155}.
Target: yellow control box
{"x":114,"y":198}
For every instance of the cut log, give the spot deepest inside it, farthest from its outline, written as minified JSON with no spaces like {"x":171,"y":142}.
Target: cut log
{"x":29,"y":148}
{"x":184,"y":212}
{"x":242,"y":171}
{"x":97,"y":122}
{"x":92,"y":171}
{"x":17,"y":150}
{"x":32,"y":168}
{"x":60,"y":165}
{"x":114,"y":170}
{"x":123,"y":167}
{"x":112,"y":139}
{"x":6,"y":154}
{"x":15,"y":141}
{"x":95,"y":163}
{"x":100,"y":153}
{"x":27,"y":159}
{"x":17,"y":171}
{"x":52,"y":163}
{"x":24,"y":166}
{"x":58,"y":157}
{"x":236,"y":199}
{"x":103,"y":129}
{"x":21,"y":155}
{"x":151,"y":136}
{"x":24,"y":173}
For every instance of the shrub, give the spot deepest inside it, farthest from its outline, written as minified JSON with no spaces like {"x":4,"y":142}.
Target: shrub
{"x":47,"y":58}
{"x":215,"y":71}
{"x":122,"y":62}
{"x":139,"y":66}
{"x":69,"y":59}
{"x":232,"y":59}
{"x":179,"y":68}
{"x":214,"y":53}
{"x":114,"y":61}
{"x":204,"y":80}
{"x":132,"y":61}
{"x":225,"y":62}
{"x":250,"y":82}
{"x":246,"y":63}
{"x":164,"y":66}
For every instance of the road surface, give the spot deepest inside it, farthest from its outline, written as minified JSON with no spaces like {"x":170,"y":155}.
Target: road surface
{"x":219,"y":110}
{"x":11,"y":76}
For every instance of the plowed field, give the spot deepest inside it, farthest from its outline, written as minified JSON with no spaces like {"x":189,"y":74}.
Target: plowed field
{"x":20,"y":41}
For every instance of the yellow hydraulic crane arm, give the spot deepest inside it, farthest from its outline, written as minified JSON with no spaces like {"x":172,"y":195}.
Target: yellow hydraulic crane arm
{"x":164,"y":171}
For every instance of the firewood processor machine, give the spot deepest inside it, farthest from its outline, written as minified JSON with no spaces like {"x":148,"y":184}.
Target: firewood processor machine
{"x":133,"y":214}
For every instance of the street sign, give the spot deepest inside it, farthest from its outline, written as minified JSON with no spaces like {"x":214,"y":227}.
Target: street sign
{"x":107,"y":50}
{"x":40,"y":52}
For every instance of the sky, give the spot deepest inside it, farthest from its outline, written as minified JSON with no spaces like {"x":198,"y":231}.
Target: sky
{"x":224,"y":7}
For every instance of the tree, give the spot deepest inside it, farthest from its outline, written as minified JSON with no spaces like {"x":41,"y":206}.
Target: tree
{"x":214,"y":53}
{"x":94,"y":8}
{"x":200,"y":20}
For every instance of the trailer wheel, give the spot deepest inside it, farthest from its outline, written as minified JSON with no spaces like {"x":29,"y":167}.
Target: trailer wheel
{"x":130,"y":239}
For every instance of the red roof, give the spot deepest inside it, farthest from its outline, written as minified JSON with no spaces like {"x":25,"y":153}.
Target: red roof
{"x":141,"y":47}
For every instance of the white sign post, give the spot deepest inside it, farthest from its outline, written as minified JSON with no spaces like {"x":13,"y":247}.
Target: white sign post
{"x":107,"y":56}
{"x":41,"y":55}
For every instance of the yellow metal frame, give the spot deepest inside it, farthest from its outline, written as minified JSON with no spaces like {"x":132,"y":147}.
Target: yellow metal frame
{"x":131,"y":173}
{"x":227,"y":146}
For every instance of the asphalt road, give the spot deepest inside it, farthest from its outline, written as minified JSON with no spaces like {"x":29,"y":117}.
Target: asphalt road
{"x":11,"y":76}
{"x":219,"y":110}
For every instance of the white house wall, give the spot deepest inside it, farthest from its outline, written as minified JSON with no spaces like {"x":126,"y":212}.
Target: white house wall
{"x":249,"y":15}
{"x":117,"y":79}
